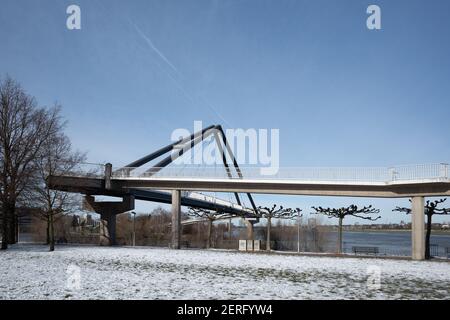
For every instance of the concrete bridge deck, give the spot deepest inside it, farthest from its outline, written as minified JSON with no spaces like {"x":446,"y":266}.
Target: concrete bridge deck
{"x":394,"y":189}
{"x":120,"y":186}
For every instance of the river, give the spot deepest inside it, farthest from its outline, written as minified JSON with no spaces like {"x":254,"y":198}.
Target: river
{"x":388,"y":242}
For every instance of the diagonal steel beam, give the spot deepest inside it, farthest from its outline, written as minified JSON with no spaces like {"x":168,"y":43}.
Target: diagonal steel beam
{"x":235,"y":163}
{"x":198,"y":137}
{"x":225,"y":163}
{"x":164,"y":150}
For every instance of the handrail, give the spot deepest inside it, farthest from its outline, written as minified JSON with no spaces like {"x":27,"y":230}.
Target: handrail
{"x":421,"y":172}
{"x":355,"y":174}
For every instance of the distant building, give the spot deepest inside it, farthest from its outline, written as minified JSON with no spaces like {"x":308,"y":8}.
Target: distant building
{"x":25,"y":217}
{"x":85,"y":221}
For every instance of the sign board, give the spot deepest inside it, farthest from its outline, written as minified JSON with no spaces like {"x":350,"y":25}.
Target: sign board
{"x":249,"y":245}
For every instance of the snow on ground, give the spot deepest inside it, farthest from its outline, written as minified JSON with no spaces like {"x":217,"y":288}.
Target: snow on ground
{"x":31,"y":272}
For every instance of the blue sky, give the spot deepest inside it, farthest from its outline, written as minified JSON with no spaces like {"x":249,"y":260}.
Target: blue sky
{"x":340,"y":94}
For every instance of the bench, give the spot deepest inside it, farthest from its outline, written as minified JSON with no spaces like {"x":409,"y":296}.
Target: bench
{"x":365,"y":250}
{"x":434,"y":250}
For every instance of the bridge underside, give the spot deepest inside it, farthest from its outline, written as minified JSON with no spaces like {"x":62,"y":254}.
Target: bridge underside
{"x":108,"y":211}
{"x":430,"y":189}
{"x":96,"y":187}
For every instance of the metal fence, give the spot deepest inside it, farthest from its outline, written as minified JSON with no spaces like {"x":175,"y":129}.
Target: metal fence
{"x":292,"y":246}
{"x":424,"y":172}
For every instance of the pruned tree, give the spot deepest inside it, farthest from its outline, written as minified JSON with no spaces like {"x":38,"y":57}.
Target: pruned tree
{"x":24,"y":128}
{"x":341,"y":213}
{"x":431,"y":208}
{"x":276,"y":213}
{"x":210,"y":216}
{"x":55,"y":158}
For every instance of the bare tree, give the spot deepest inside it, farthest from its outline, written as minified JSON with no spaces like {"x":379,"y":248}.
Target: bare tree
{"x":276,"y":213}
{"x":341,"y":213}
{"x":55,"y":158}
{"x":24,"y":128}
{"x":431,"y":208}
{"x":210,"y":216}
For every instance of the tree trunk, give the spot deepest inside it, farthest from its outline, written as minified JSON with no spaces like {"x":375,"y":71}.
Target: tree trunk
{"x":52,"y":233}
{"x":16,"y":229}
{"x":9,"y":226}
{"x":269,"y":227}
{"x":4,"y":227}
{"x":208,"y":243}
{"x":199,"y":233}
{"x":427,"y":237}
{"x":47,"y":239}
{"x":11,"y":233}
{"x":340,"y":237}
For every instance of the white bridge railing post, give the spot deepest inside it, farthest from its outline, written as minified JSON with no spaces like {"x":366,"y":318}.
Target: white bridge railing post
{"x":393,"y":174}
{"x":444,"y":170}
{"x":108,"y":174}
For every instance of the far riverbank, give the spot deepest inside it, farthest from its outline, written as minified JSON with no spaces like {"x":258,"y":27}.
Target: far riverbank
{"x":435,"y":232}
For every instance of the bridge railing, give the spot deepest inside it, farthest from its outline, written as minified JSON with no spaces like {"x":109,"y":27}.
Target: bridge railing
{"x":84,"y":169}
{"x":425,"y":172}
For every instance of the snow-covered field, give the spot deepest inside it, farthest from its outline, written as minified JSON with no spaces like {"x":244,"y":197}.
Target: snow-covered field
{"x":80,"y":272}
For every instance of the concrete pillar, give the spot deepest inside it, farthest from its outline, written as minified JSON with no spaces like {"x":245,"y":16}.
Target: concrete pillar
{"x":418,"y":228}
{"x":108,"y":211}
{"x":176,"y":219}
{"x":108,"y":229}
{"x":250,"y":232}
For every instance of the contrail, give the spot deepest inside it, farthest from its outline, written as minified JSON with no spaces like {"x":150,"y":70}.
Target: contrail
{"x":154,"y":48}
{"x":178,"y":73}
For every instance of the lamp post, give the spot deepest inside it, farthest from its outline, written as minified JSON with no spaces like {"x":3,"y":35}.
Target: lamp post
{"x":134,"y":228}
{"x":298,"y":233}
